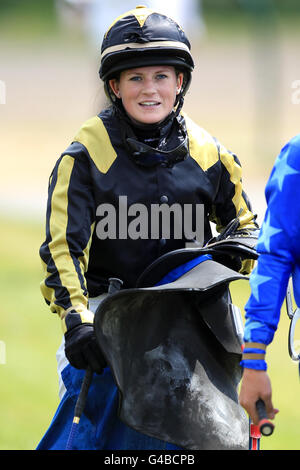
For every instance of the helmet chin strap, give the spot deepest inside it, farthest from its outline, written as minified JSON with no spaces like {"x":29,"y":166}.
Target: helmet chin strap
{"x":130,"y":128}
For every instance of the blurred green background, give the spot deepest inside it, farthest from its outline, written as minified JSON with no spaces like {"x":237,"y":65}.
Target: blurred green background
{"x":246,"y":55}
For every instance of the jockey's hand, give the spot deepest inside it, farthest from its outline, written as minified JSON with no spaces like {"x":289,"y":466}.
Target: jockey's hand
{"x":256,"y":385}
{"x":82,"y":349}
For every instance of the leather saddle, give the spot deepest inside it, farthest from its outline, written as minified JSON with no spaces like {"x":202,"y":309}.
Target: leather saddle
{"x":174,"y":350}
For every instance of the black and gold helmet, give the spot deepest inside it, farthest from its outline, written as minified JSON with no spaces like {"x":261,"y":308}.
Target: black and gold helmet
{"x":144,"y":37}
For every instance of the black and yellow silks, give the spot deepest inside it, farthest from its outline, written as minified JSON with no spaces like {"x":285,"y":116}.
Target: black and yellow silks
{"x":96,"y":169}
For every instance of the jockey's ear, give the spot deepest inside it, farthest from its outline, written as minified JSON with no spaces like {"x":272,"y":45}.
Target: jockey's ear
{"x":114,"y":85}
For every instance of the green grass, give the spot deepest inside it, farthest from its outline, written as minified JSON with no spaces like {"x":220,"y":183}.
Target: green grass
{"x":29,"y":390}
{"x":29,"y":382}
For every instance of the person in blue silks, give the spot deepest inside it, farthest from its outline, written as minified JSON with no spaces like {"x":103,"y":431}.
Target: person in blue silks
{"x":138,"y":154}
{"x":279,"y":259}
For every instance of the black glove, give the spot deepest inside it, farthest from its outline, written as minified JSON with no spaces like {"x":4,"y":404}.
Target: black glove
{"x":82,"y":349}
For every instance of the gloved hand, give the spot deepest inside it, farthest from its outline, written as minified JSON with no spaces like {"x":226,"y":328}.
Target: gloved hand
{"x":81,"y":347}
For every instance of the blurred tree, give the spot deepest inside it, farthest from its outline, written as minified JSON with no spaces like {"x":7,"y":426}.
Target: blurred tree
{"x":229,"y":6}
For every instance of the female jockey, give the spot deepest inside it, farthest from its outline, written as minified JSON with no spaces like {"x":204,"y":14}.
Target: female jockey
{"x":139,"y":152}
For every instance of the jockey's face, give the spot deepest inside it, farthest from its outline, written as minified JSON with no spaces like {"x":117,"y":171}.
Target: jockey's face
{"x":148,"y":93}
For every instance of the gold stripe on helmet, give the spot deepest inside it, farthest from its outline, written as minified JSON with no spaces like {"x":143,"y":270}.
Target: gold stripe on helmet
{"x":134,"y":45}
{"x":140,"y":12}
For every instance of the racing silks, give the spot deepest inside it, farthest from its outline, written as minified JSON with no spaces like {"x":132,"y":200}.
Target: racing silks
{"x":83,"y":249}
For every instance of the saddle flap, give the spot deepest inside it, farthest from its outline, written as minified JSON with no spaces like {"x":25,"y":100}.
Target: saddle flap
{"x":176,"y":380}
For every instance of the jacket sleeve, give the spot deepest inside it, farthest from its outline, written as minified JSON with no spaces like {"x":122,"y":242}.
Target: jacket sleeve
{"x":69,"y":229}
{"x":230,"y":199}
{"x":279,"y":253}
{"x":224,"y":170}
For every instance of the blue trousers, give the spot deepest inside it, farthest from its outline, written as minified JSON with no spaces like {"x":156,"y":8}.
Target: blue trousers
{"x":99,"y":427}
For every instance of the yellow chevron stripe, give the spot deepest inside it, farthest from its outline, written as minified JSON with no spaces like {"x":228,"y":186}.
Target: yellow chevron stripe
{"x":95,"y":138}
{"x":202,"y":146}
{"x":58,"y":245}
{"x":235,"y":172}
